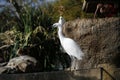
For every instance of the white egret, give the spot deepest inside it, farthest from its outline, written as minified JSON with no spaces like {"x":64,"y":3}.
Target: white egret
{"x":69,"y":45}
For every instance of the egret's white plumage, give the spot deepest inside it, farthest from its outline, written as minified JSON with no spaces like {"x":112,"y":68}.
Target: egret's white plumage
{"x":69,"y":45}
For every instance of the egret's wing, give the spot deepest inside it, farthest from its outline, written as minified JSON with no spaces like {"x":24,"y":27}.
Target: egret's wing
{"x":72,"y":48}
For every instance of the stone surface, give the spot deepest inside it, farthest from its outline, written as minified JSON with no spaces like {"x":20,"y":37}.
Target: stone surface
{"x":99,"y":39}
{"x":20,"y":64}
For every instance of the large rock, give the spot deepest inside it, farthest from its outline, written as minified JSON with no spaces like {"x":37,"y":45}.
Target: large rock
{"x":99,"y":39}
{"x":20,"y":64}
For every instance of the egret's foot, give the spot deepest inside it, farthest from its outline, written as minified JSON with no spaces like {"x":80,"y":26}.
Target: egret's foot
{"x":70,"y":69}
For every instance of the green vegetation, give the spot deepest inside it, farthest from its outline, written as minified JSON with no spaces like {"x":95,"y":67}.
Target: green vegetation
{"x":72,"y":9}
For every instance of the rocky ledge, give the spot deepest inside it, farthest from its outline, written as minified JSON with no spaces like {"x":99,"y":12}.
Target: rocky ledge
{"x":99,"y":39}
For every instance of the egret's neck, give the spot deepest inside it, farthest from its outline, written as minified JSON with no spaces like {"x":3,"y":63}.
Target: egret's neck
{"x":60,"y":34}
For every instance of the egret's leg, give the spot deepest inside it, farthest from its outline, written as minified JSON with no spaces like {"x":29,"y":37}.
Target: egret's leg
{"x":73,"y":63}
{"x":76,"y":64}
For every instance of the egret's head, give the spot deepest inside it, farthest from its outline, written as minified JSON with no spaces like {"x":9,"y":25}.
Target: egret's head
{"x":60,"y":17}
{"x":56,"y":25}
{"x":60,"y":22}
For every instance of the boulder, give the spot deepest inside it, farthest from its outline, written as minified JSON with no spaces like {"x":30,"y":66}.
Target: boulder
{"x":20,"y":64}
{"x":99,"y":40}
